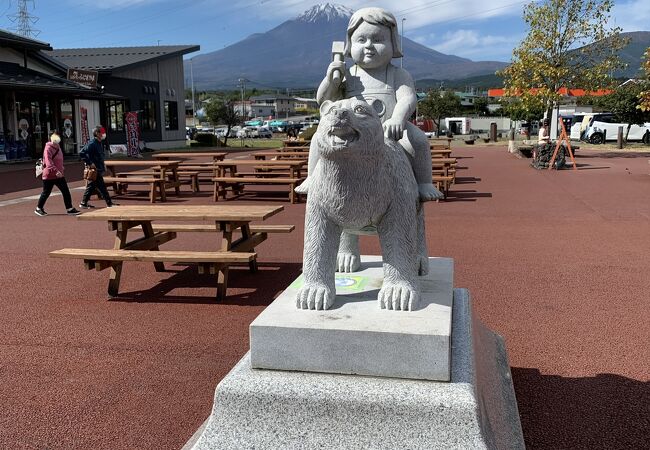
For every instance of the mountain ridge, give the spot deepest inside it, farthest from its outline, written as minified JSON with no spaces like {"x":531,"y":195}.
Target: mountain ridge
{"x":282,"y":57}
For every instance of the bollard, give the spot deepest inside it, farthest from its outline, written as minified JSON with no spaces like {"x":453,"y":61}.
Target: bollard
{"x":493,"y":131}
{"x":619,"y":138}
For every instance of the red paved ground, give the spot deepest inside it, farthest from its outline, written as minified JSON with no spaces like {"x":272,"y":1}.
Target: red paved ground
{"x":556,"y":262}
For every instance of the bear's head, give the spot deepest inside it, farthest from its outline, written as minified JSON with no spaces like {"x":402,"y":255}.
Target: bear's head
{"x":350,"y":128}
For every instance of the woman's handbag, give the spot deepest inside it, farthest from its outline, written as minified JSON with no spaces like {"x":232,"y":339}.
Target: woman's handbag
{"x":90,"y":173}
{"x":39,"y":168}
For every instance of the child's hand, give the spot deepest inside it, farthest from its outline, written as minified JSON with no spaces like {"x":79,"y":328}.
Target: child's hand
{"x":394,"y":129}
{"x":333,"y":67}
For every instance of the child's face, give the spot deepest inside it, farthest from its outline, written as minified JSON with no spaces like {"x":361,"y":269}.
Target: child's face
{"x":371,"y":46}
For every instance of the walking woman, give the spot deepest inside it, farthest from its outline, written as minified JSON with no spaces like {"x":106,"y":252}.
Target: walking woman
{"x":53,"y":176}
{"x":93,"y":155}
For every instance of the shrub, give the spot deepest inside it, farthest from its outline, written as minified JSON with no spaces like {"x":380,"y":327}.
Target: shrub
{"x":206,"y":139}
{"x":308,"y":133}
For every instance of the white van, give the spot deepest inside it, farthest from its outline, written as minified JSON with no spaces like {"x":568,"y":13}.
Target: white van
{"x":604,"y":126}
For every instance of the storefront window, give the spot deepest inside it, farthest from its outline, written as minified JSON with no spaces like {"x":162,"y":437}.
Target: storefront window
{"x":66,"y":127}
{"x":148,"y":108}
{"x":171,"y":116}
{"x":115,"y":114}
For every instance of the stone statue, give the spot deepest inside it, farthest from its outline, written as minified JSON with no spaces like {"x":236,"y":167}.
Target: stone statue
{"x":372,"y":41}
{"x":362,"y":182}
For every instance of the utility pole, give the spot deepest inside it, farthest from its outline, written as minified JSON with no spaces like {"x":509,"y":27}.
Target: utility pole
{"x":242,"y":86}
{"x":24,"y":20}
{"x":401,"y":40}
{"x":193,"y":103}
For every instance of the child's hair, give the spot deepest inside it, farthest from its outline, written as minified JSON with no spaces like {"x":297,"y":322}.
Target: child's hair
{"x":374,"y":16}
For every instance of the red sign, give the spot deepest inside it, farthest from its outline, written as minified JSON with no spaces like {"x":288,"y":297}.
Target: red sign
{"x":85,"y":133}
{"x":132,"y":134}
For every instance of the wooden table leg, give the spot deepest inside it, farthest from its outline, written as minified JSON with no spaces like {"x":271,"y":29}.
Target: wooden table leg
{"x":246,"y":234}
{"x":116,"y":269}
{"x":147,"y":229}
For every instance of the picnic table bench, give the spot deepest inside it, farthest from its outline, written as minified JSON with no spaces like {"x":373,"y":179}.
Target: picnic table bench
{"x":230,"y":177}
{"x":216,"y":156}
{"x":443,"y":173}
{"x":166,"y":177}
{"x":228,"y":219}
{"x":281,"y":155}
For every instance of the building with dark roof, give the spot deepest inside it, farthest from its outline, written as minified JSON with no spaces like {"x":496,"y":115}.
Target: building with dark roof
{"x":36,"y":98}
{"x":149,"y":80}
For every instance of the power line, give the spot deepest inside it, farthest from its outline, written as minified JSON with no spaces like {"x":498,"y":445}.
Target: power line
{"x":25,"y":20}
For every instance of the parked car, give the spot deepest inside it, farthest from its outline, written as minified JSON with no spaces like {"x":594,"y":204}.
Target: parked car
{"x":263,"y":132}
{"x":604,"y":127}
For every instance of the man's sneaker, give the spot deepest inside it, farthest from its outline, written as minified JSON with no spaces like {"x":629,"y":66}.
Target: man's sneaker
{"x":85,"y":205}
{"x":73,"y":212}
{"x":112,"y":204}
{"x":40,"y":212}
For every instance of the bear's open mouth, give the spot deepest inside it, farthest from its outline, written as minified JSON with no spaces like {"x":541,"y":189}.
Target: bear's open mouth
{"x":342,"y":136}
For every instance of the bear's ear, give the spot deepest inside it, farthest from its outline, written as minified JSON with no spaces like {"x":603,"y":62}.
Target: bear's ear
{"x":325,"y":107}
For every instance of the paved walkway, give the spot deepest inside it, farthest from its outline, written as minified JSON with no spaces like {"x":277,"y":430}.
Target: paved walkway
{"x":555,"y":261}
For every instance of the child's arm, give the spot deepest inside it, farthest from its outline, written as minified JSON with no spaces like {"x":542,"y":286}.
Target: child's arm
{"x":330,"y":88}
{"x":404,"y":107}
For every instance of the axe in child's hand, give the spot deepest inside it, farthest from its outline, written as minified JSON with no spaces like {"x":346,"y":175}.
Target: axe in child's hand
{"x":338,"y":48}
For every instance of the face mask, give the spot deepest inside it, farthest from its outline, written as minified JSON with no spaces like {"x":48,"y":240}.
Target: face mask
{"x":56,"y":139}
{"x":103,"y":136}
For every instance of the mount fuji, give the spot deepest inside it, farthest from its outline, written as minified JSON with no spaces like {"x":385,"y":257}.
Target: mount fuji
{"x":295,"y":54}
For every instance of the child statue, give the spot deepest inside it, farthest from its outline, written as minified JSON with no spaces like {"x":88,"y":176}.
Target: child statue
{"x":372,"y":42}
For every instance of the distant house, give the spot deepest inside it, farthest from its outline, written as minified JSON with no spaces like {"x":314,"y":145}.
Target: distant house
{"x":243,"y":109}
{"x":274,"y":106}
{"x":148,"y":80}
{"x":36,"y":98}
{"x":305,"y":103}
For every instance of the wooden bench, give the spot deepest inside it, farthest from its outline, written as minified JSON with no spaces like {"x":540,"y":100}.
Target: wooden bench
{"x":208,"y":262}
{"x":236,"y":184}
{"x":184,"y":176}
{"x":202,"y":228}
{"x":121,"y":183}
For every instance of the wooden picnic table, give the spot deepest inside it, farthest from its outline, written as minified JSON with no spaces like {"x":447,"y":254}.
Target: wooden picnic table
{"x":295,"y":143}
{"x":437,"y":153}
{"x":265,"y":172}
{"x":168,"y":176}
{"x":216,"y":156}
{"x":294,"y":148}
{"x":281,"y":155}
{"x":226,"y":219}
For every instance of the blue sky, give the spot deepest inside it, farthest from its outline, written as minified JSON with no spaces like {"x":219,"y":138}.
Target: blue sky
{"x":475,"y":29}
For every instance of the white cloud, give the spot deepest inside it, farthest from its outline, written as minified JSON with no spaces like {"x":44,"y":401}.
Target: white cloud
{"x":472,"y":44}
{"x":418,"y":13}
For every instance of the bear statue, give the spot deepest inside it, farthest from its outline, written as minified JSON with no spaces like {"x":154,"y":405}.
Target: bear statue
{"x":363,"y":183}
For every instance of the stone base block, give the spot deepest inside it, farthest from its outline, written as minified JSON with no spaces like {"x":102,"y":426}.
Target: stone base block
{"x":355,"y":336}
{"x":269,"y":409}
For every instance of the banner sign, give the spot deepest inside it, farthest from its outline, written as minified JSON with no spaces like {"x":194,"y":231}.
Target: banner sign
{"x":85,"y":77}
{"x":132,"y":133}
{"x":85,"y":132}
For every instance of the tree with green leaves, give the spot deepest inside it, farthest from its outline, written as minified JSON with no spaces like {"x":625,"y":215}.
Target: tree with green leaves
{"x":223,"y":114}
{"x":644,"y":96}
{"x":568,"y":45}
{"x":439,"y":104}
{"x":480,"y":106}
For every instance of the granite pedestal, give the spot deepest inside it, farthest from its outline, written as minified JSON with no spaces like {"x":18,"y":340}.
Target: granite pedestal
{"x":355,"y":336}
{"x":275,"y":409}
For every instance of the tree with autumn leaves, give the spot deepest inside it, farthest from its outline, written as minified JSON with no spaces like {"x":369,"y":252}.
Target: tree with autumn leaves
{"x":644,"y":96}
{"x":568,"y":45}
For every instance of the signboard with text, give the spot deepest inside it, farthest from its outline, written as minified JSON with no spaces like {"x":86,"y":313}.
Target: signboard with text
{"x":85,"y":77}
{"x":132,"y":133}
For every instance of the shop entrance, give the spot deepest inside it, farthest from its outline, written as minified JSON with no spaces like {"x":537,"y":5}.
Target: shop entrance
{"x":35,"y":122}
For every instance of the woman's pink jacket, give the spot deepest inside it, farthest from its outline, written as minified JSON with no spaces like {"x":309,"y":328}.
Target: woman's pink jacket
{"x":53,"y":164}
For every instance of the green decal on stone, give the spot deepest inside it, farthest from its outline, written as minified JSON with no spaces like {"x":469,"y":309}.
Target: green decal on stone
{"x":346,"y":283}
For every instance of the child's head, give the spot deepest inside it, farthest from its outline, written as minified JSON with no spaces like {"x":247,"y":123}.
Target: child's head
{"x":373,"y":16}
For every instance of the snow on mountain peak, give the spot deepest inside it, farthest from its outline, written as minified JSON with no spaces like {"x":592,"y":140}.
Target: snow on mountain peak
{"x":325,"y":11}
